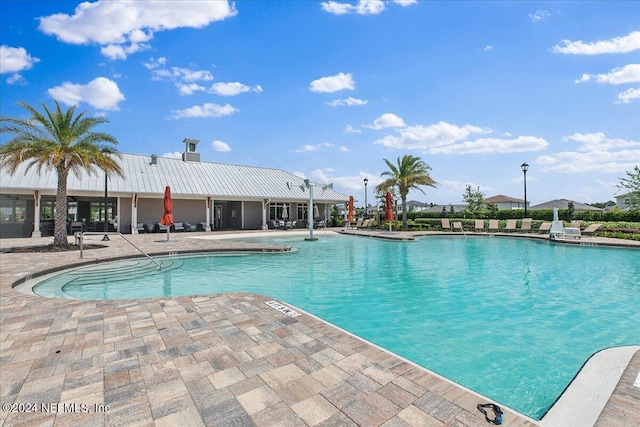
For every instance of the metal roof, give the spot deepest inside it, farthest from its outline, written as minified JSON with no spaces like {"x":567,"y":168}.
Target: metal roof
{"x":564,"y":204}
{"x":186,"y":179}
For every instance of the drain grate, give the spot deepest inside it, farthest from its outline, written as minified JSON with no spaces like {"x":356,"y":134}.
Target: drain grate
{"x":283,"y":308}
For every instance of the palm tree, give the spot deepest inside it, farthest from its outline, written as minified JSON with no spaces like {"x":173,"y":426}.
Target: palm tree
{"x":61,"y":141}
{"x":410,"y":173}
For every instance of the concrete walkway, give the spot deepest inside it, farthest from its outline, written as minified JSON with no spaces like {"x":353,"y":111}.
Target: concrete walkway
{"x":214,"y":360}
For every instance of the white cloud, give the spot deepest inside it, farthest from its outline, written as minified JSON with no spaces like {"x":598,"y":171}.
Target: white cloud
{"x":100,"y":93}
{"x":219,"y":146}
{"x":539,"y":15}
{"x":405,"y":3}
{"x":16,"y":79}
{"x":122,"y":27}
{"x":173,"y":155}
{"x":344,"y":149}
{"x":15,"y":59}
{"x":204,"y":111}
{"x":331,"y":84}
{"x":596,"y":153}
{"x":595,"y":161}
{"x":232,"y":88}
{"x":189,"y":89}
{"x":493,"y":145}
{"x":387,"y":120}
{"x":599,"y":142}
{"x":350,"y":129}
{"x":155,"y":63}
{"x":364,"y":7}
{"x":178,"y":73}
{"x":487,"y":48}
{"x":428,"y":137}
{"x":348,"y":102}
{"x":628,"y":95}
{"x":307,"y":148}
{"x":624,"y":44}
{"x":628,"y":74}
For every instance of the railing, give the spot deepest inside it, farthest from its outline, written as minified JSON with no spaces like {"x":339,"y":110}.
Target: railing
{"x":83,"y":233}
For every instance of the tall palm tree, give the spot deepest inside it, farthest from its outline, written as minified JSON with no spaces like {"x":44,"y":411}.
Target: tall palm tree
{"x":61,"y":141}
{"x":408,"y":174}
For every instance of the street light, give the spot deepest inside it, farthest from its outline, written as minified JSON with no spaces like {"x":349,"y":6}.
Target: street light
{"x":366,"y":211}
{"x":525,"y":167}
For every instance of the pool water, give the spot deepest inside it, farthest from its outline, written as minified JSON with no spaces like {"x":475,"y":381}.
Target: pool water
{"x":512,"y":319}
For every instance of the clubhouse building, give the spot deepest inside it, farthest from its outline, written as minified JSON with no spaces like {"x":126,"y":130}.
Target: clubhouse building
{"x":206,"y":196}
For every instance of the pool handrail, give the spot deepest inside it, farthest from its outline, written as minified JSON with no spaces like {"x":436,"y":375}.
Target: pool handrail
{"x":83,"y":233}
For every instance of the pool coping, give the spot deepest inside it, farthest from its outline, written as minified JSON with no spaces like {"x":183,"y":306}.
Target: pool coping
{"x":10,"y":276}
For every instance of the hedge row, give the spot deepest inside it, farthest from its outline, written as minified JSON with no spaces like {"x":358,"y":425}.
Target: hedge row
{"x":541,"y":215}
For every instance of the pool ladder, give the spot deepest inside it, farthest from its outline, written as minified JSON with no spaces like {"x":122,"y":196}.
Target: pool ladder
{"x":80,"y":236}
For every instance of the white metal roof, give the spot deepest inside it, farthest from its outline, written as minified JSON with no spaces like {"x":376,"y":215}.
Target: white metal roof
{"x":186,"y":179}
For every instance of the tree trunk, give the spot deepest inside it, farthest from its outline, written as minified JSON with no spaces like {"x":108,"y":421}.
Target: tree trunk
{"x":404,"y":212}
{"x":60,"y":217}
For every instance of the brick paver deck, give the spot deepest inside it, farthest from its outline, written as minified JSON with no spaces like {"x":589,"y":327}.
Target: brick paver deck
{"x":213,"y":360}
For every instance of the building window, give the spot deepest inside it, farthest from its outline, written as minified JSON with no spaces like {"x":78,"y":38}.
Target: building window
{"x":47,"y":210}
{"x":97,"y":211}
{"x":277,"y":209}
{"x":303,"y":209}
{"x":191,"y":147}
{"x":13,"y":210}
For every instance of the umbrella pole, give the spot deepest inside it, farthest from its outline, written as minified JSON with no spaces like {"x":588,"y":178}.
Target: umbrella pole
{"x":168,"y":231}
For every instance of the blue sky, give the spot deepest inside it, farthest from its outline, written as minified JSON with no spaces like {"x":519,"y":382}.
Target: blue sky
{"x":328,"y":89}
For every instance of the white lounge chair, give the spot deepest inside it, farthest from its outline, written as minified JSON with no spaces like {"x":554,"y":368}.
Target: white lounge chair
{"x":494,"y":225}
{"x":445,"y":223}
{"x":479,"y":225}
{"x":591,"y":229}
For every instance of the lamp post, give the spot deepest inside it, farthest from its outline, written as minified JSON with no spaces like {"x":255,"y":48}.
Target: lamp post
{"x":308,"y":185}
{"x":366,"y":210}
{"x":525,"y":167}
{"x":106,"y":222}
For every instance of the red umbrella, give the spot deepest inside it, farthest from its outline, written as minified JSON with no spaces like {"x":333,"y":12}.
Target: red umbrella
{"x":167,"y":218}
{"x":389,"y":213}
{"x":350,"y":216}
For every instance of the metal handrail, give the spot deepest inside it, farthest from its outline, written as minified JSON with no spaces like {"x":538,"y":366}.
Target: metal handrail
{"x":121,"y":235}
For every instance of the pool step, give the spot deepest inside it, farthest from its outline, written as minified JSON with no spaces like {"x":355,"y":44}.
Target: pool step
{"x":121,"y":271}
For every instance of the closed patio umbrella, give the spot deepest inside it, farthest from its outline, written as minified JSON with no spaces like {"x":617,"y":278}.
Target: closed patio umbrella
{"x":167,"y":218}
{"x":389,"y":213}
{"x":285,"y":214}
{"x":316,"y":212}
{"x":350,"y":216}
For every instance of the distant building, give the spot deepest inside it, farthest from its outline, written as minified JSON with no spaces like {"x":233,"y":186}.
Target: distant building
{"x":627,"y":201}
{"x":415,"y":206}
{"x":564,"y":204}
{"x":446,"y":208}
{"x":506,"y":202}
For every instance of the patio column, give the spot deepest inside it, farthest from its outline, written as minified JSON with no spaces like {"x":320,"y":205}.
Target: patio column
{"x":265,"y":204}
{"x":134,"y":214}
{"x":208,"y":214}
{"x":118,"y":215}
{"x":36,"y":215}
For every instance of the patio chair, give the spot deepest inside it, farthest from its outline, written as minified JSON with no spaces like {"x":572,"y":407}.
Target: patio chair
{"x":445,"y":224}
{"x":545,"y":227}
{"x":457,"y":226}
{"x":358,"y":224}
{"x":526,"y":224}
{"x":511,"y":225}
{"x":479,"y":225}
{"x":494,"y":225}
{"x":178,"y":226}
{"x":591,"y":229}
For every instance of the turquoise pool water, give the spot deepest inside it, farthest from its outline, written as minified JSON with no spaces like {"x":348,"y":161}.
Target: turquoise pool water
{"x":511,"y":319}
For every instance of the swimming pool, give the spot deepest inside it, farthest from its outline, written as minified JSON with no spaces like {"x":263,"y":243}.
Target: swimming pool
{"x":511,"y":319}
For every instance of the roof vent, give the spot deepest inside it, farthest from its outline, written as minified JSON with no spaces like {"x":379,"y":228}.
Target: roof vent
{"x":191,"y":150}
{"x":154,"y":160}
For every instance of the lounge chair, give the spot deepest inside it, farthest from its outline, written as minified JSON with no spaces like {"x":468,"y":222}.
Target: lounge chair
{"x":319,"y":224}
{"x":178,"y":226}
{"x":511,"y":225}
{"x":445,"y":223}
{"x":458,"y":226}
{"x":479,"y":226}
{"x":358,"y":224}
{"x":494,"y":225}
{"x":591,"y":229}
{"x":545,"y":227}
{"x":526,"y":224}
